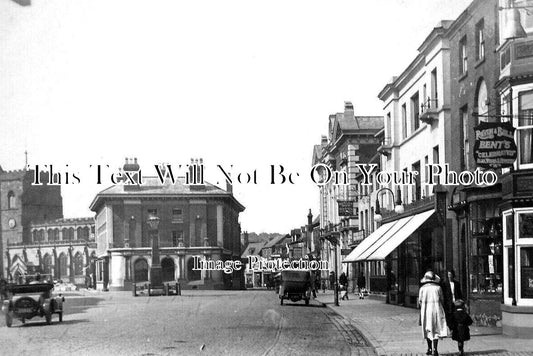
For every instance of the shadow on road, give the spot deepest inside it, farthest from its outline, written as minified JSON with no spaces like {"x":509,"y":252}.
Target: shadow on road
{"x":303,"y":305}
{"x":55,"y":322}
{"x":80,"y":305}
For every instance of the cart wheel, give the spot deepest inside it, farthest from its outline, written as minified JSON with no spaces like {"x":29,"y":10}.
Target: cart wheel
{"x":60,"y":317}
{"x":48,"y":317}
{"x":306,"y":301}
{"x":9,"y":320}
{"x":281,"y":300}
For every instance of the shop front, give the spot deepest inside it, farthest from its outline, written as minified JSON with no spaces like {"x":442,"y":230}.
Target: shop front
{"x":517,"y":220}
{"x":410,"y":244}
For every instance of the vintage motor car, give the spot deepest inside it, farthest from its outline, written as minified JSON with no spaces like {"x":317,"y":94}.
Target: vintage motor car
{"x":26,"y":301}
{"x":295,"y":285}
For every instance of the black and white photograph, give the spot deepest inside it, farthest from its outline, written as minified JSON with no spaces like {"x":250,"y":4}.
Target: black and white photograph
{"x":240,"y":177}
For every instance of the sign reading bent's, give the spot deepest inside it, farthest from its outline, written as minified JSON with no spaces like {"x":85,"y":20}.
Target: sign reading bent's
{"x":494,"y":146}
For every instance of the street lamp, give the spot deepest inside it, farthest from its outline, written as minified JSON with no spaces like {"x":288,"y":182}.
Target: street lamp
{"x":398,"y":207}
{"x":156,"y":280}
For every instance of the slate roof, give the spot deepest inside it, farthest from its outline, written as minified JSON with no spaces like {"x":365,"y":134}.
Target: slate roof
{"x":253,"y":249}
{"x":152,"y":187}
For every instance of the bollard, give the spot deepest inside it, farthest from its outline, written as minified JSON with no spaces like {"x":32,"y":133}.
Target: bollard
{"x":178,"y":288}
{"x":166,"y":288}
{"x":134,"y":289}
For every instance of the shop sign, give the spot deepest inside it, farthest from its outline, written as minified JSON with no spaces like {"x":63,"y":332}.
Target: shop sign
{"x":494,"y":146}
{"x":345,"y":207}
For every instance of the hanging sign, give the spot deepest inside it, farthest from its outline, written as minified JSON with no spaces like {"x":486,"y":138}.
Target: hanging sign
{"x":494,"y":146}
{"x":345,"y":207}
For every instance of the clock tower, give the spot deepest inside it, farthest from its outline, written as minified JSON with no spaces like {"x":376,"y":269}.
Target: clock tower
{"x":22,"y":203}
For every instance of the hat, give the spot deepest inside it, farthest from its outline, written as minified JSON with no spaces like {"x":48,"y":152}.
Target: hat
{"x":459,"y":303}
{"x":430,"y":277}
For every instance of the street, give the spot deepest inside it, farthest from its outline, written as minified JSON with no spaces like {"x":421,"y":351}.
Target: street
{"x":199,"y":322}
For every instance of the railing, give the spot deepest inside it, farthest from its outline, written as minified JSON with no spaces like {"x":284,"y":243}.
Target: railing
{"x":429,"y":104}
{"x":50,"y":243}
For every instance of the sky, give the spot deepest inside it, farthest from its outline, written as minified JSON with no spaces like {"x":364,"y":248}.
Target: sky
{"x":241,"y":84}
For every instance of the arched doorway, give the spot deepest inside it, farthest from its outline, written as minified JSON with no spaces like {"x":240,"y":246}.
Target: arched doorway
{"x":140,"y":270}
{"x":192,"y":275}
{"x":167,"y":269}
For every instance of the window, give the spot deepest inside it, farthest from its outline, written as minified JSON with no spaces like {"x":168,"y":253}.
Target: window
{"x":415,"y":111}
{"x":465,"y":144}
{"x":480,"y":40}
{"x":177,"y":215}
{"x":417,"y":190}
{"x":176,"y":236}
{"x":434,"y":90}
{"x":426,"y":176}
{"x":436,"y":160}
{"x":404,"y":120}
{"x":11,"y":204}
{"x":388,"y":130}
{"x":482,"y":101}
{"x":78,"y":264}
{"x":486,"y":248}
{"x":525,"y":129}
{"x":152,"y":212}
{"x":463,"y":60}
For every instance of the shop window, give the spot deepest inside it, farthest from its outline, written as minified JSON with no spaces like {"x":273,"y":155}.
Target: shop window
{"x":526,"y":272}
{"x":486,"y":274}
{"x":525,"y":130}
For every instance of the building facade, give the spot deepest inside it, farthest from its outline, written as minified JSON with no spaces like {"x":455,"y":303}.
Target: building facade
{"x":515,"y":90}
{"x":22,"y":204}
{"x":196,"y":221}
{"x":474,"y":39}
{"x":351,"y":140}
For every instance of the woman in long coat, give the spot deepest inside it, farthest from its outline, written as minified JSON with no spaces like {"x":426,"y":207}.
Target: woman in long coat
{"x":432,"y":316}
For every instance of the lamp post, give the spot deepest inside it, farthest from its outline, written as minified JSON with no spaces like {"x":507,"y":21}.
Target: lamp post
{"x":155,"y":277}
{"x":398,"y":208}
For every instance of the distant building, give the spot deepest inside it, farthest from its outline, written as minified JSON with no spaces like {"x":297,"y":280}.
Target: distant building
{"x":254,"y":279}
{"x":351,"y":140}
{"x":195,"y":221}
{"x":22,"y":204}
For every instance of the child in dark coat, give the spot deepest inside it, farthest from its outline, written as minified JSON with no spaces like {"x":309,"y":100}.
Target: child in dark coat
{"x":461,"y":323}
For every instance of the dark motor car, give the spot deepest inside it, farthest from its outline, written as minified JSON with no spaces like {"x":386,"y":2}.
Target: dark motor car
{"x":26,"y":301}
{"x":295,"y":285}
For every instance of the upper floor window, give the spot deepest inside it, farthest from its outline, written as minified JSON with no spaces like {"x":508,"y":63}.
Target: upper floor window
{"x":480,"y":40}
{"x":525,"y":129}
{"x":152,"y":212}
{"x":415,"y":112}
{"x":177,"y":215}
{"x":11,"y":202}
{"x":463,"y":59}
{"x":404,"y":120}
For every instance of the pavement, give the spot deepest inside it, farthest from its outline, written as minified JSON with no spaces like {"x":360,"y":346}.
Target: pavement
{"x":394,"y":330}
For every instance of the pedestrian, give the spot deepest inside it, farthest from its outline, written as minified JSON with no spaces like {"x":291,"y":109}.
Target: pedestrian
{"x":452,"y":292}
{"x":331,"y":280}
{"x":460,"y":327}
{"x":313,"y":283}
{"x":343,"y":282}
{"x":432,"y":316}
{"x":361,"y":285}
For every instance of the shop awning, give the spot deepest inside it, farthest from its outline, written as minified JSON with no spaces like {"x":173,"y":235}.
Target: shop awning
{"x":368,"y":242}
{"x":401,"y":231}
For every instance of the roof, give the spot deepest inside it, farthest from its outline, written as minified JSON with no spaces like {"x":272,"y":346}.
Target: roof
{"x":253,"y":249}
{"x":152,"y":187}
{"x":276,"y":241}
